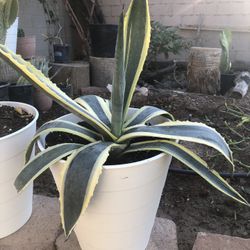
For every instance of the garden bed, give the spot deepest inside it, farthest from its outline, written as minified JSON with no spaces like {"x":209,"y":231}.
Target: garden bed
{"x":188,"y":200}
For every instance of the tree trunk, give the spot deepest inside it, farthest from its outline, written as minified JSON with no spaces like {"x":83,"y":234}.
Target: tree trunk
{"x":204,"y":70}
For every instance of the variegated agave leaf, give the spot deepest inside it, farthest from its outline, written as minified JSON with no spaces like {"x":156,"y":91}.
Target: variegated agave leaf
{"x":131,"y":52}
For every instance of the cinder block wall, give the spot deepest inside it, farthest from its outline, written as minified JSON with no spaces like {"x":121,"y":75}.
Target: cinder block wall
{"x":32,"y":21}
{"x":199,"y":20}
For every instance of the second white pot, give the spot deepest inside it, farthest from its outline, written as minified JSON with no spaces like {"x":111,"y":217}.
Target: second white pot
{"x":122,"y":211}
{"x":15,"y":208}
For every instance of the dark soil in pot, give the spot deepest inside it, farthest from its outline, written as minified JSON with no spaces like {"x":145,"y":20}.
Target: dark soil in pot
{"x":57,"y":138}
{"x":11,"y":120}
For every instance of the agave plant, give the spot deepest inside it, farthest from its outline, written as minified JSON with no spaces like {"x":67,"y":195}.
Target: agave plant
{"x":225,"y":42}
{"x":112,"y":130}
{"x":40,"y":63}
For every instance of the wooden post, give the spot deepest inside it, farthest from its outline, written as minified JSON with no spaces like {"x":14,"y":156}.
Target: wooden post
{"x":204,"y":70}
{"x":102,"y":70}
{"x":76,"y":73}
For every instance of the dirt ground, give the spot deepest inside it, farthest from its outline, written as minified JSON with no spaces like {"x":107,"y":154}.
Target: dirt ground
{"x":188,"y":200}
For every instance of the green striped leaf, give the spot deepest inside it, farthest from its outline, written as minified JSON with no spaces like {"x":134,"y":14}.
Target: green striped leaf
{"x":185,"y":131}
{"x":10,"y":12}
{"x":81,"y":177}
{"x":137,"y":31}
{"x":145,"y":114}
{"x":97,"y":106}
{"x":42,"y":162}
{"x":119,"y":83}
{"x":192,"y":161}
{"x":65,"y":127}
{"x":35,"y":76}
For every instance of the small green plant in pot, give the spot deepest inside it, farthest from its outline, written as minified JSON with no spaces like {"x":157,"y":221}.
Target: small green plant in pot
{"x":164,"y":40}
{"x":227,"y":76}
{"x":113,"y":207}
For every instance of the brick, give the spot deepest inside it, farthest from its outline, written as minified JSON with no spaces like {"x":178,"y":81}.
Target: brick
{"x":189,"y":21}
{"x":116,"y":10}
{"x":207,"y":241}
{"x":186,"y":9}
{"x":204,"y":9}
{"x":171,"y":20}
{"x":111,"y":20}
{"x":239,"y":21}
{"x":161,"y":9}
{"x":230,"y":8}
{"x":216,"y":21}
{"x":113,"y":2}
{"x":106,"y":9}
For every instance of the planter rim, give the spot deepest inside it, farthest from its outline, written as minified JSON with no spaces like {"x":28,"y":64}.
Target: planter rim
{"x":23,"y":105}
{"x":27,"y":37}
{"x":117,"y":166}
{"x":14,"y":85}
{"x":4,"y":84}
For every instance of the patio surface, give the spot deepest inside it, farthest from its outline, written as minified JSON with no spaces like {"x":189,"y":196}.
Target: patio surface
{"x":43,"y":231}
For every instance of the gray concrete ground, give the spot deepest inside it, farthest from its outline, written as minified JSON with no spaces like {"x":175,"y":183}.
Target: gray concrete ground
{"x":43,"y":231}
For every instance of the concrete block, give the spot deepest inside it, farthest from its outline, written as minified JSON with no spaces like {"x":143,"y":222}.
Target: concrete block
{"x":41,"y":231}
{"x":163,"y":237}
{"x":207,"y":241}
{"x":77,"y":73}
{"x":102,"y":70}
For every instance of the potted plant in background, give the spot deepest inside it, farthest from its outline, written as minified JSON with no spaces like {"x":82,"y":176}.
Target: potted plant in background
{"x":164,"y":42}
{"x":106,"y":193}
{"x":59,"y":51}
{"x":41,"y":101}
{"x":102,"y":43}
{"x":227,"y":76}
{"x":26,"y":45}
{"x":103,"y":40}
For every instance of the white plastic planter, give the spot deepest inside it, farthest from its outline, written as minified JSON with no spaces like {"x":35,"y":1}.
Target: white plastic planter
{"x":122,"y":211}
{"x":11,"y":36}
{"x":15,"y":209}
